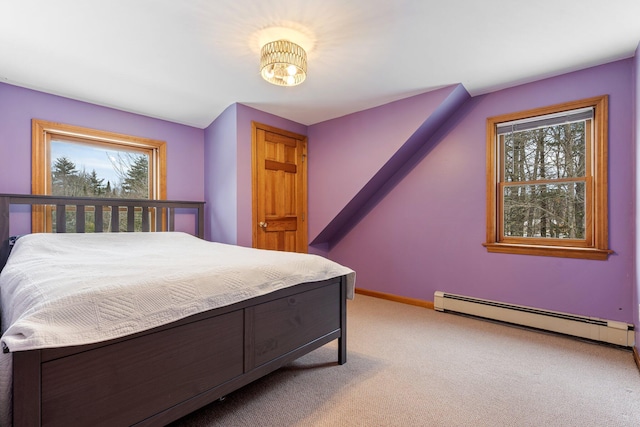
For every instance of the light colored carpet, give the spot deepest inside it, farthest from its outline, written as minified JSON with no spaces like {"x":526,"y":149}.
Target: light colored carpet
{"x":411,"y":366}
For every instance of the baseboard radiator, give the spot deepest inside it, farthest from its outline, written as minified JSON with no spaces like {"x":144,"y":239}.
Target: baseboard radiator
{"x":608,"y":331}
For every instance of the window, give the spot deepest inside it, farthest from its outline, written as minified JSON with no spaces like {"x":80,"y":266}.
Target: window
{"x":74,"y":161}
{"x":547,"y":181}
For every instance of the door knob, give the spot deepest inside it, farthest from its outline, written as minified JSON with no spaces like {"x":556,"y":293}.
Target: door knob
{"x":263,"y":224}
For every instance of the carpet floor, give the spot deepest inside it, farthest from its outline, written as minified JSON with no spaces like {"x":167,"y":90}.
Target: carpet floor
{"x":411,"y":366}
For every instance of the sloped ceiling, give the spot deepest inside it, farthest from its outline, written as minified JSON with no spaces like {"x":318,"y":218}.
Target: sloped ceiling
{"x":186,"y":61}
{"x":437,"y":107}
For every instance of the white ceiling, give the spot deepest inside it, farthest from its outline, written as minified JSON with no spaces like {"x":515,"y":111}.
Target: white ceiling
{"x":187,"y":60}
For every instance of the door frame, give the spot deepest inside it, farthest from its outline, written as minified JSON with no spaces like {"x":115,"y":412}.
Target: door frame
{"x":254,"y":183}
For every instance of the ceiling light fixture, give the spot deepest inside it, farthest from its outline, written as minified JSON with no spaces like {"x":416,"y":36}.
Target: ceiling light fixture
{"x":283,"y":63}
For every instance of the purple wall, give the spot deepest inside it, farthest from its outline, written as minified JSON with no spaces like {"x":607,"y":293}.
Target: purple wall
{"x":395,"y":167}
{"x":347,"y":152}
{"x":185,"y":177}
{"x":220,"y":187}
{"x":427,"y":233}
{"x":636,"y":130}
{"x":228,"y":165}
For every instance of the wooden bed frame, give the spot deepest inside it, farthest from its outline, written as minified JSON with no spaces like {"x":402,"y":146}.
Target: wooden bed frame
{"x":157,"y":376}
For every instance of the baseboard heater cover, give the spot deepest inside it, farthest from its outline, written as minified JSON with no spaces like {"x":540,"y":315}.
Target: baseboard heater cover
{"x":592,"y":328}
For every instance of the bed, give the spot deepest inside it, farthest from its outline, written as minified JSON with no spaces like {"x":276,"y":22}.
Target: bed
{"x":162,"y":362}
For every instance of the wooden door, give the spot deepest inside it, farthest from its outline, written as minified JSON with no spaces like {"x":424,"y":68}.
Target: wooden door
{"x":279,"y":189}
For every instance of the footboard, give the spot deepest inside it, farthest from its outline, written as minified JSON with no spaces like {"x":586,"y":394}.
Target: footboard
{"x":157,"y":376}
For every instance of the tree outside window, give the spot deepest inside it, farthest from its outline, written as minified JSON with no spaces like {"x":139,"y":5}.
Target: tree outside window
{"x":126,"y":175}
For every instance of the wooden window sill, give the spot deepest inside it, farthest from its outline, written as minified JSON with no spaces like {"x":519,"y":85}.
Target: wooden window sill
{"x":555,"y":251}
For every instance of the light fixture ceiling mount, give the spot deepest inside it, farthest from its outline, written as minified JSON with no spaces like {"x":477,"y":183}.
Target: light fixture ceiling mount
{"x":283,"y":63}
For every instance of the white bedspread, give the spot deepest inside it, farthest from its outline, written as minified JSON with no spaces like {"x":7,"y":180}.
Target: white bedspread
{"x":71,"y":289}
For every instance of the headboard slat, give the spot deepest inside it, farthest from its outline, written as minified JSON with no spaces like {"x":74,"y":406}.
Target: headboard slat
{"x":131,"y":211}
{"x":99,"y":219}
{"x":115,"y":219}
{"x":61,"y":218}
{"x":159,"y":215}
{"x":4,"y":218}
{"x":145,"y":218}
{"x":80,"y":219}
{"x":5,"y":247}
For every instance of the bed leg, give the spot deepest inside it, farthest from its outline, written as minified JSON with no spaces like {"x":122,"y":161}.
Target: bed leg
{"x":342,"y":341}
{"x":342,"y":350}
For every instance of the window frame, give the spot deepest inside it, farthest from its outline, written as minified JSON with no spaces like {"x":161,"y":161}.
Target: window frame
{"x":595,"y":244}
{"x":43,"y":131}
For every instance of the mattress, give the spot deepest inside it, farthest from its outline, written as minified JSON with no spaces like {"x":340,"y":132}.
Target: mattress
{"x":72,"y":289}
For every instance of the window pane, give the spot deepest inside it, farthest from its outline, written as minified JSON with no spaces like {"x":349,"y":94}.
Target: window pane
{"x":546,"y":153}
{"x":97,"y":171}
{"x":545,"y":210}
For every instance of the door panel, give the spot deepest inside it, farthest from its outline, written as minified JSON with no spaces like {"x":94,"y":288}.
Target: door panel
{"x":279,"y":189}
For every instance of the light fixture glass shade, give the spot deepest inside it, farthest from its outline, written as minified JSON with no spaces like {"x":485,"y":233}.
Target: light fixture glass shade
{"x":283,"y":63}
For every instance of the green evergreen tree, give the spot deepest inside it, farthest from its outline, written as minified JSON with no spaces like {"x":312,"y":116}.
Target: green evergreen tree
{"x":63,"y":177}
{"x":136,"y":183}
{"x":95,"y":184}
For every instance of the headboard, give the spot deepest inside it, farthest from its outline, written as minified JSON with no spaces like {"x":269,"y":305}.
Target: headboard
{"x":156,"y":215}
